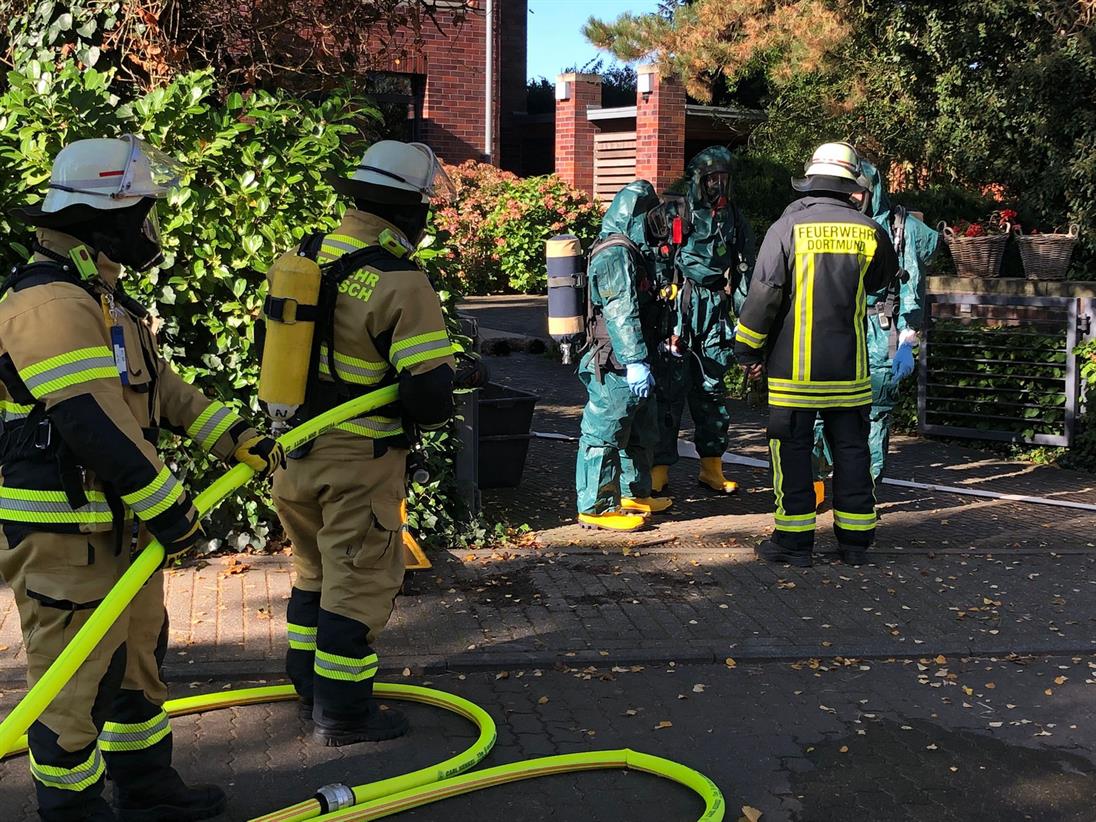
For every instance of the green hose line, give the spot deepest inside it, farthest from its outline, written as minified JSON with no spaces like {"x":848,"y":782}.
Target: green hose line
{"x":532,"y":768}
{"x":149,"y":560}
{"x":442,"y":780}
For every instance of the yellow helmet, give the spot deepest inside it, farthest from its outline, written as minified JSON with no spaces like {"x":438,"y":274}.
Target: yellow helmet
{"x":833,"y":167}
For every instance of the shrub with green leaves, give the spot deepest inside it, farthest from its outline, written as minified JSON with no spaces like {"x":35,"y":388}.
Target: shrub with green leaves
{"x":497,"y":226}
{"x":254,"y":186}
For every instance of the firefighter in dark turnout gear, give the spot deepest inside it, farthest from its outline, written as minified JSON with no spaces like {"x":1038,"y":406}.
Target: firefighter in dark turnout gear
{"x":715,"y":262}
{"x":85,"y":394}
{"x":619,"y":427}
{"x":895,"y":319}
{"x":805,"y":319}
{"x":340,"y":503}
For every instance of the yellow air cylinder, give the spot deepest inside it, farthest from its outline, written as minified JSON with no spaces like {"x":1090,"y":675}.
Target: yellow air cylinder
{"x":290,"y":312}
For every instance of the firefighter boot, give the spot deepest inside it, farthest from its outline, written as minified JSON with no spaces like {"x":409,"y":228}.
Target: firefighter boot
{"x":660,"y":478}
{"x":618,"y":520}
{"x":711,"y":476}
{"x":162,"y":796}
{"x":377,"y":725}
{"x":772,"y":551}
{"x":646,"y":505}
{"x":852,"y":555}
{"x":819,"y":493}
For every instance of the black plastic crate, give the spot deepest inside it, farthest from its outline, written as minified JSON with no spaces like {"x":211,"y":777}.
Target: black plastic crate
{"x":505,"y":418}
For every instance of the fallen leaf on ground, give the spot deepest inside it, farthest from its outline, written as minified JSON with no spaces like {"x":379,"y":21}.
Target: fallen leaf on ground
{"x":750,"y":814}
{"x":730,"y":663}
{"x":1059,"y":680}
{"x":844,"y":749}
{"x":542,"y":701}
{"x":698,"y":689}
{"x":664,"y":724}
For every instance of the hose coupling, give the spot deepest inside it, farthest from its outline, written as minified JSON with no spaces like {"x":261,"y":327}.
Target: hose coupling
{"x":334,"y":797}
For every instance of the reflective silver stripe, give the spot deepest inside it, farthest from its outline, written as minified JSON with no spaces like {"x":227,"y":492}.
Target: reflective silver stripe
{"x":301,"y":642}
{"x":70,"y":779}
{"x":68,"y":369}
{"x":344,"y":671}
{"x":50,"y":506}
{"x":210,"y":425}
{"x":412,"y":350}
{"x":372,"y":426}
{"x":143,"y":737}
{"x":352,"y":369}
{"x":158,"y":500}
{"x":342,"y":245}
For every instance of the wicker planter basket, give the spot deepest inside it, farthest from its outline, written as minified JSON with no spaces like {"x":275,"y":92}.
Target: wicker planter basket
{"x":1046,"y":256}
{"x":976,"y":256}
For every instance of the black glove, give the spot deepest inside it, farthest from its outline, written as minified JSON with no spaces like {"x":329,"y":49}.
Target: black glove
{"x":189,"y":533}
{"x":262,"y":454}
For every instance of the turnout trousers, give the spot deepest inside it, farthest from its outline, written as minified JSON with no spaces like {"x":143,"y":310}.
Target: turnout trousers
{"x":108,"y":718}
{"x":791,"y":439}
{"x":884,"y":397}
{"x":619,"y":431}
{"x":341,"y":509}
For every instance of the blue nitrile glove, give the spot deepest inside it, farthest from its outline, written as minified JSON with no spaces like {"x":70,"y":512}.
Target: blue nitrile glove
{"x":902,"y":364}
{"x":639,"y":379}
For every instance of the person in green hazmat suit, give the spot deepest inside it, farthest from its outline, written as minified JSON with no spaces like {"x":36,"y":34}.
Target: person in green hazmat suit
{"x":895,"y":318}
{"x":619,"y":426}
{"x":714,"y":264}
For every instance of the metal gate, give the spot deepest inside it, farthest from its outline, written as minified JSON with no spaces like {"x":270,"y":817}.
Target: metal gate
{"x":1000,"y":368}
{"x":614,"y":163}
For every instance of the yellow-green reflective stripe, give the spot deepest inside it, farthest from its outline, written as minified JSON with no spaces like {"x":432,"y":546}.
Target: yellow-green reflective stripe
{"x":72,"y":368}
{"x":301,"y":637}
{"x":156,"y":497}
{"x":778,"y":475}
{"x":52,"y":507}
{"x":441,"y":351}
{"x":12,"y":411}
{"x":419,"y":348}
{"x":373,"y":427}
{"x":842,"y":401}
{"x":346,"y":668}
{"x":749,"y":336}
{"x":830,"y":386}
{"x":134,"y":736}
{"x":77,"y":778}
{"x":794,"y":522}
{"x":352,"y":369}
{"x":211,"y":425}
{"x":854,"y":522}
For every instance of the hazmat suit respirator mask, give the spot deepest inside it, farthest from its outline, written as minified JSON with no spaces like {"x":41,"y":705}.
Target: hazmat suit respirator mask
{"x":715,"y":188}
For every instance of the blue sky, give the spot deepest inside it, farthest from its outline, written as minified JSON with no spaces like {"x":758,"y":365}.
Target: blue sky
{"x":555,"y":31}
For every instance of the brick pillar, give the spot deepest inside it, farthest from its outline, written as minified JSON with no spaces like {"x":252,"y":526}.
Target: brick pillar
{"x":660,"y":129}
{"x":574,"y":133}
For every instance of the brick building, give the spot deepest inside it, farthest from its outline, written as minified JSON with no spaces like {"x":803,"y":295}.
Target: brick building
{"x":443,"y":83}
{"x":600,"y":150}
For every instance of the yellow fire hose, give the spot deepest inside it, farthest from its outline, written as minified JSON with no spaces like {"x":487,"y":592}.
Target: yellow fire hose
{"x":374,"y":800}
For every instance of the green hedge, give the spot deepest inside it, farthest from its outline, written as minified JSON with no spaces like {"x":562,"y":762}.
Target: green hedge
{"x":254,"y":186}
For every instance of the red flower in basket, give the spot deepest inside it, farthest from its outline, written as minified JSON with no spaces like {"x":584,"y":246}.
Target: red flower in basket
{"x":974,"y":230}
{"x":1008,"y":215}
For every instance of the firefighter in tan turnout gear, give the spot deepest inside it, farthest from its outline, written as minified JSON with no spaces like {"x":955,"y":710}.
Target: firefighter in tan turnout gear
{"x":85,"y":395}
{"x":378,"y":322}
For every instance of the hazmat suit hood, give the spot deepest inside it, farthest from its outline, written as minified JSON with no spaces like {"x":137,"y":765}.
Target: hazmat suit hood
{"x":708,"y":177}
{"x":879,"y":209}
{"x":627,"y":214}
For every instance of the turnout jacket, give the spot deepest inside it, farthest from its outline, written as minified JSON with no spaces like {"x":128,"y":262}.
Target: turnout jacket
{"x":85,"y":392}
{"x":805,"y":315}
{"x":389,"y":329}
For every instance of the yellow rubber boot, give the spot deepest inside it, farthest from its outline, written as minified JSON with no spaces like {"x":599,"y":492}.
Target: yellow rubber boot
{"x":711,"y":476}
{"x":819,"y":493}
{"x":660,"y":477}
{"x":646,"y":505}
{"x":619,"y":520}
